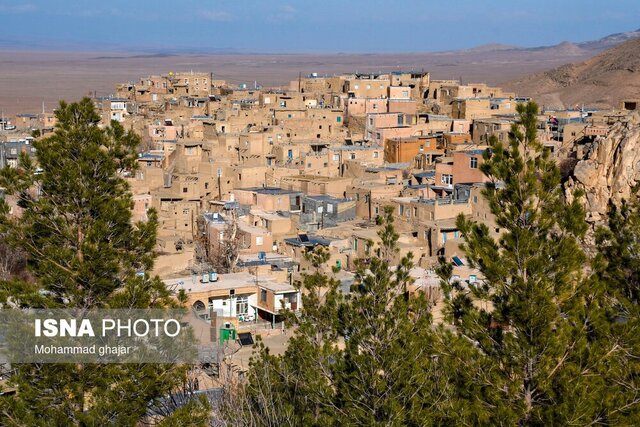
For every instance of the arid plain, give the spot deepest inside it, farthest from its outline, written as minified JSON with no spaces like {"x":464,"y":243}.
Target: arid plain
{"x":27,"y":79}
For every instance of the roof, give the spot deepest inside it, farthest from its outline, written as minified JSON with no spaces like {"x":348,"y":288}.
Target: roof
{"x":326,"y":198}
{"x":270,"y":190}
{"x":425,"y":174}
{"x":308,"y":241}
{"x":225,"y":281}
{"x":277,"y":287}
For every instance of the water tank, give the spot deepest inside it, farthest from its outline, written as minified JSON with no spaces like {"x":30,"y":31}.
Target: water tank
{"x":213,"y":276}
{"x":205,"y":278}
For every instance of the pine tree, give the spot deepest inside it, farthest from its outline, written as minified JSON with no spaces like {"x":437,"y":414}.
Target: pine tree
{"x":386,"y":375}
{"x":613,"y":311}
{"x":361,"y":359}
{"x":523,"y":320}
{"x":83,"y":251}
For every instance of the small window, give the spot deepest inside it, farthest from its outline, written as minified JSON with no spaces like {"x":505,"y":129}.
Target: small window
{"x":185,"y":211}
{"x":263,"y":295}
{"x":375,"y":154}
{"x":473,"y":163}
{"x":259,"y":240}
{"x":352,"y":156}
{"x":185,"y":189}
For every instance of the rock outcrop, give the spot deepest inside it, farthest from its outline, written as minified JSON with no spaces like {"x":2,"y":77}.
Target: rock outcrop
{"x":608,"y":168}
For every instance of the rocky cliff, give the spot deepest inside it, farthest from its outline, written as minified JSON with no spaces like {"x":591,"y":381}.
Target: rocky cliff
{"x":608,"y":168}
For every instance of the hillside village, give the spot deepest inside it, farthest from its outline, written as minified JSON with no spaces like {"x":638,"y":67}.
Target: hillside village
{"x":245,"y":180}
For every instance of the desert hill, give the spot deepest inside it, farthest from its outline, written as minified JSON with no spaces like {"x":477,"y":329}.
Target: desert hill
{"x":601,"y":81}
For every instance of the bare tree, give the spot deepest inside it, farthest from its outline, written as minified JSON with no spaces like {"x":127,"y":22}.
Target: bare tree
{"x":222,"y":255}
{"x":12,"y":261}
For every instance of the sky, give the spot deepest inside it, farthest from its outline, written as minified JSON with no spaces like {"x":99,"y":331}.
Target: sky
{"x":323,"y":26}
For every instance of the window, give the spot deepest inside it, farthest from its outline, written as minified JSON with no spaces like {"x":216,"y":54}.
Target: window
{"x":338,"y":119}
{"x":242,"y":305}
{"x":375,"y":154}
{"x":259,"y":240}
{"x":263,"y":295}
{"x":447,"y":179}
{"x":185,"y":211}
{"x":473,"y":163}
{"x":352,"y":156}
{"x":329,"y":208}
{"x":336,"y":157}
{"x":185,"y":189}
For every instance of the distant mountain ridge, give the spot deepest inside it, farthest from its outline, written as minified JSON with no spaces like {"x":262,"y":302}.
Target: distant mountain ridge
{"x":571,"y":48}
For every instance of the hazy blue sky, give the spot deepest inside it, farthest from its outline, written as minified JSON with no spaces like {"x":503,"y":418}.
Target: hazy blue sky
{"x":308,"y":26}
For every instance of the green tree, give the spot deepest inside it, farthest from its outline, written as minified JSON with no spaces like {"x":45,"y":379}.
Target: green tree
{"x":360,"y":359}
{"x":83,"y":251}
{"x":613,"y":313}
{"x":523,"y":321}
